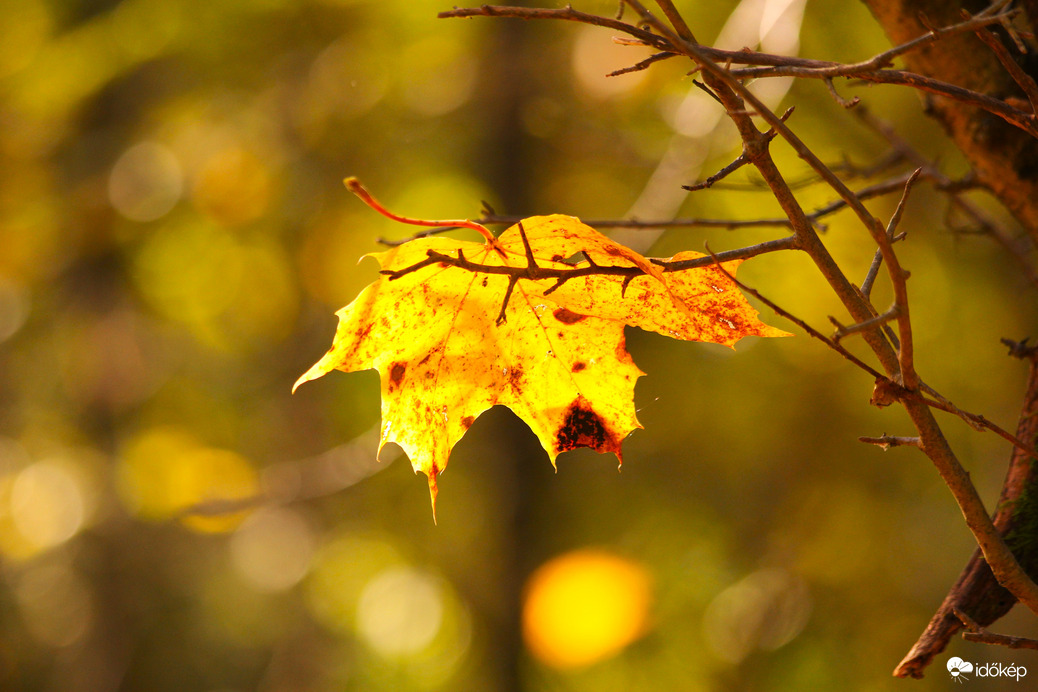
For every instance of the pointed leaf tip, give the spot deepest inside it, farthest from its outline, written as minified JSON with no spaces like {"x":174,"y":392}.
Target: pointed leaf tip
{"x":433,"y":491}
{"x":302,"y":378}
{"x":318,"y":369}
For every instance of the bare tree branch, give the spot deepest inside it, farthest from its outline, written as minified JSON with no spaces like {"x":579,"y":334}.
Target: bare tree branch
{"x":1003,"y":563}
{"x":898,"y":381}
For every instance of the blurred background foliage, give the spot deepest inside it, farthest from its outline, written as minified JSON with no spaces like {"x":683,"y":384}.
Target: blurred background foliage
{"x":174,"y":239}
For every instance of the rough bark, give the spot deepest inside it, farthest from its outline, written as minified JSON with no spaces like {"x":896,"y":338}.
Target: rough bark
{"x":1004,"y":157}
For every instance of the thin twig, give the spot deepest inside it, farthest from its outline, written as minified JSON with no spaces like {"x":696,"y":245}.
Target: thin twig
{"x":1015,"y":35}
{"x":873,"y":272}
{"x":850,"y":171}
{"x":979,"y":422}
{"x":892,"y":235}
{"x":976,"y":633}
{"x":885,"y":441}
{"x":886,"y":58}
{"x":873,"y":323}
{"x":875,"y":190}
{"x":787,"y":243}
{"x":530,"y":260}
{"x":895,"y":219}
{"x":643,"y":64}
{"x":354,"y":186}
{"x":735,"y":165}
{"x":860,"y":308}
{"x":836,"y":96}
{"x":512,"y":281}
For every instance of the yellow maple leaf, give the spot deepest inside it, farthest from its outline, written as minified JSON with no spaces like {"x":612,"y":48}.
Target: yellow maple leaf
{"x":455,"y":327}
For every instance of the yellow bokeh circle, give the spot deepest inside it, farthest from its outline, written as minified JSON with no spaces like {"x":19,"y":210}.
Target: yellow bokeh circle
{"x":585,"y":606}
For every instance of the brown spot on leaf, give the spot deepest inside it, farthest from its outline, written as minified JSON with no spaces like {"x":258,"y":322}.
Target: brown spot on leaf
{"x":557,"y":258}
{"x":467,"y":422}
{"x":578,"y":366}
{"x":396,"y":374}
{"x":363,"y":333}
{"x":581,"y":428}
{"x":568,"y":316}
{"x":515,"y":377}
{"x":485,"y":282}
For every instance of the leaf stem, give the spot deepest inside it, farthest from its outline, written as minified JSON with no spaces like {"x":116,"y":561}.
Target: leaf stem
{"x":354,"y":186}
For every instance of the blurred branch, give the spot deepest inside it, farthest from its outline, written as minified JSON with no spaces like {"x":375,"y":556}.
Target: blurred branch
{"x":491,"y":217}
{"x":1019,"y":249}
{"x":325,"y":474}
